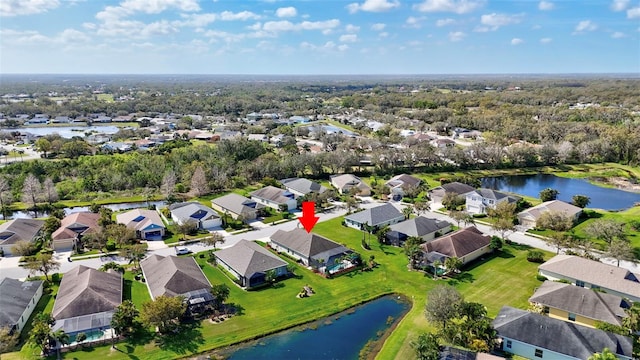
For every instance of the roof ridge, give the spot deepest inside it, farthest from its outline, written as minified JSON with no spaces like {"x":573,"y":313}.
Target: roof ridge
{"x":605,"y":304}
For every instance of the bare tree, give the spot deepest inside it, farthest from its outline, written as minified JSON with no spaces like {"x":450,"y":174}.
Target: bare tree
{"x":620,"y":250}
{"x":214,"y":239}
{"x":199,"y":184}
{"x":50,"y":192}
{"x":168,"y":184}
{"x":5,"y":196}
{"x":31,"y":190}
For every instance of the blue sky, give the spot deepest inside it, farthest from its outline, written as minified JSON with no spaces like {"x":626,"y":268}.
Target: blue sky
{"x":319,"y":36}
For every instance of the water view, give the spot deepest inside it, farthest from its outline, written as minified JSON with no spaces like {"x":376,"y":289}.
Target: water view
{"x":337,"y":337}
{"x":67,"y":131}
{"x":531,"y":185}
{"x":24,"y":214}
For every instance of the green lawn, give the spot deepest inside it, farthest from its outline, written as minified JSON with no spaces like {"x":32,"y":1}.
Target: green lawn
{"x":506,"y":279}
{"x":135,"y":290}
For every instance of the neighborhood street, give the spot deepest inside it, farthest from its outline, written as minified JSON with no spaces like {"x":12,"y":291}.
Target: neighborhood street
{"x":9,"y":266}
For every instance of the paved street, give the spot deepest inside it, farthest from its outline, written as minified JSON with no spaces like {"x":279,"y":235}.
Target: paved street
{"x":9,"y":266}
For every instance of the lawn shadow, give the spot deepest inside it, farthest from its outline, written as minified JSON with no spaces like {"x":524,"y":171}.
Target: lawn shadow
{"x":186,"y":340}
{"x":139,"y":336}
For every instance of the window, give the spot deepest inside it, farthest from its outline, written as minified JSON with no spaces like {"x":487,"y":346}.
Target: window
{"x":580,"y":283}
{"x":491,"y":202}
{"x":508,"y":344}
{"x":572,"y":317}
{"x":538,"y":353}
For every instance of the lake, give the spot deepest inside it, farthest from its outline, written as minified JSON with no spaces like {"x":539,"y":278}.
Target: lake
{"x":531,"y":185}
{"x":66,"y":131}
{"x":340,"y":336}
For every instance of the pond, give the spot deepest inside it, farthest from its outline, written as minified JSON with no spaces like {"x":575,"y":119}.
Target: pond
{"x":23,"y":214}
{"x":341,"y":336}
{"x":67,"y":131}
{"x":531,"y":185}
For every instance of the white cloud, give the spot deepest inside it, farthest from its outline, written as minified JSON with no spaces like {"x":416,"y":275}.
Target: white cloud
{"x":378,"y":27}
{"x":385,"y":34}
{"x":414,"y":22}
{"x":618,"y":35}
{"x":516,"y":41}
{"x":158,"y":6}
{"x":73,"y":36}
{"x":633,"y":13}
{"x":493,"y":21}
{"x":545,"y":5}
{"x":285,"y":25}
{"x":545,"y":40}
{"x":456,"y":36}
{"x":26,"y":7}
{"x":352,"y":28}
{"x":585,"y":25}
{"x":445,"y":22}
{"x":619,"y":5}
{"x":454,"y":6}
{"x":329,"y":46}
{"x":349,"y":38}
{"x":373,"y":6}
{"x":67,"y":36}
{"x":289,"y":11}
{"x":242,"y":16}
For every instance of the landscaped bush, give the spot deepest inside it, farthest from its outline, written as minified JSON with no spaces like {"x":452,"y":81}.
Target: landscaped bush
{"x":536,"y":256}
{"x":479,"y":216}
{"x":111,"y":245}
{"x":541,"y":277}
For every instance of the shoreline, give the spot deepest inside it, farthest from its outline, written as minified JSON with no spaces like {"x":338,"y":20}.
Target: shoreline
{"x":376,"y":344}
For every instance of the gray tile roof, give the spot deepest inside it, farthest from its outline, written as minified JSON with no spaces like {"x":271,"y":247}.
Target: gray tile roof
{"x":307,"y":244}
{"x":172,"y":275}
{"x":272,"y":193}
{"x":84,"y":290}
{"x":303,"y":186}
{"x":459,"y":243}
{"x":19,"y":229}
{"x":149,"y":218}
{"x":456,"y":187}
{"x":594,"y":272}
{"x":556,"y":335}
{"x":419,"y":226}
{"x":581,"y":301}
{"x":235,"y":203}
{"x":186,"y":210}
{"x":347,"y":180}
{"x":553,"y":205}
{"x":495,"y":195}
{"x":376,"y":215}
{"x":247,"y":258}
{"x":404,"y":181}
{"x":15,"y":296}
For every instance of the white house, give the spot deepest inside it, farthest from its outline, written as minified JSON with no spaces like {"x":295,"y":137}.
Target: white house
{"x":195,"y":213}
{"x":18,"y":299}
{"x":478,"y":201}
{"x":275,"y":198}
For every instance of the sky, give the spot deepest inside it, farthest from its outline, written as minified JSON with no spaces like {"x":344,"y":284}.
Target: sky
{"x":311,"y":37}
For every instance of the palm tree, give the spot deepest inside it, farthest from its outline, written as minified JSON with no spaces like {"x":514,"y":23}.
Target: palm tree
{"x":436,"y":264}
{"x":407,"y":212}
{"x":61,"y":338}
{"x":452,"y":264}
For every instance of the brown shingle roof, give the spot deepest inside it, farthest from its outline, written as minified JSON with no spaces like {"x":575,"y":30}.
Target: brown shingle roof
{"x":172,"y":275}
{"x":460,"y":243}
{"x":79,"y":219}
{"x":19,"y":229}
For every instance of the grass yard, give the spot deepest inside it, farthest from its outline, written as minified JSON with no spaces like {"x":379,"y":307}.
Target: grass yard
{"x":135,"y":290}
{"x":505,"y":279}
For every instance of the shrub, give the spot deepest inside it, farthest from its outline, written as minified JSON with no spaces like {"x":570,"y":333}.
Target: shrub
{"x":541,"y":277}
{"x":111,"y":245}
{"x":535,"y":256}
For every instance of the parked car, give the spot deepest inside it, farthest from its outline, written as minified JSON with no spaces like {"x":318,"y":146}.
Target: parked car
{"x":182,"y":250}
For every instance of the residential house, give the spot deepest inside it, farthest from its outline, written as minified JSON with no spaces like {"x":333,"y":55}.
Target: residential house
{"x":399,"y":183}
{"x":275,"y":198}
{"x":593,"y":275}
{"x":582,"y":306}
{"x":530,"y":216}
{"x":311,"y":249}
{"x":302,"y":187}
{"x":345,"y":182}
{"x":534,"y":336}
{"x":422,"y":227}
{"x":61,"y":120}
{"x":249,"y":263}
{"x":72,"y":228}
{"x":201,"y":216}
{"x":147,"y":223}
{"x":421,"y":137}
{"x":451,"y":353}
{"x":479,"y":201}
{"x":116,"y":146}
{"x":14,"y":231}
{"x":237,"y":206}
{"x":177,"y":276}
{"x":377,"y":217}
{"x":465,"y":244}
{"x":18,"y":299}
{"x":86,"y":300}
{"x":436,"y":194}
{"x":258,"y":137}
{"x":443,"y":143}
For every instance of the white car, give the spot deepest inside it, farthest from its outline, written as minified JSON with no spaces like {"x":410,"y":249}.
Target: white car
{"x":182,"y":250}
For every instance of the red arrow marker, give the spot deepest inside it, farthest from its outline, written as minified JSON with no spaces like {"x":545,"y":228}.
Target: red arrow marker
{"x":308,"y":218}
